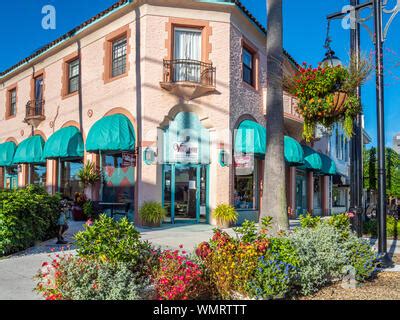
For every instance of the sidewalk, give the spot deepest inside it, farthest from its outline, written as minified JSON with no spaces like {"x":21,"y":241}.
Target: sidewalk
{"x":17,"y":271}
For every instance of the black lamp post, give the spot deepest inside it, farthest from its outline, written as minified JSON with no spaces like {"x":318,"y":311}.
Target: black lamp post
{"x":378,"y":7}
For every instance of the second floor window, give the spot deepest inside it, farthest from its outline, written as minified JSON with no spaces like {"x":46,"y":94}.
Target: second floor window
{"x":248,"y":74}
{"x":73,"y":76}
{"x":118,"y":57}
{"x":13,"y":102}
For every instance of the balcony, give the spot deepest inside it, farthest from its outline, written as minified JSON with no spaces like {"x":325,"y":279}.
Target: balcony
{"x":34,"y":112}
{"x":188,"y":79}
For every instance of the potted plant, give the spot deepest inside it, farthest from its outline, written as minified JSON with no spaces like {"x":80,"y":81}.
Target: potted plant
{"x":89,"y":175}
{"x":77,"y":208}
{"x":327,"y":95}
{"x":88,"y":209}
{"x":225,"y":215}
{"x":152,"y":214}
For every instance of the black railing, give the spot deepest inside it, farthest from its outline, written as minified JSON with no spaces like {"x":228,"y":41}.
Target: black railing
{"x":34,"y":108}
{"x":183,"y":70}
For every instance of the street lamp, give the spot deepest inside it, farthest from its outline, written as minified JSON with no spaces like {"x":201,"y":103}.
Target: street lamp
{"x":378,"y":9}
{"x":330,"y":58}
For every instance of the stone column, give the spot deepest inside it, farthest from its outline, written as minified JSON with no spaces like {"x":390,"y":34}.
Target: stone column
{"x":325,"y":195}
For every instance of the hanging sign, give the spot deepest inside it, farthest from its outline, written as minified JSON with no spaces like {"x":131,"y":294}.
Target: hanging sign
{"x":128,"y":159}
{"x":244,"y":164}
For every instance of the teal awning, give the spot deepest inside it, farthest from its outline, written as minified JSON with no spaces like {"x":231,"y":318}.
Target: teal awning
{"x":30,"y":151}
{"x":251,"y":138}
{"x":64,"y":143}
{"x":294,"y":154}
{"x":312,"y":159}
{"x":111,"y":133}
{"x":7,"y":151}
{"x":328,"y":165}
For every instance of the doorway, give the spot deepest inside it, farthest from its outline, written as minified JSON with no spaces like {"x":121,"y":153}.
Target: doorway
{"x":185,"y":193}
{"x":11,"y":178}
{"x":301,"y":195}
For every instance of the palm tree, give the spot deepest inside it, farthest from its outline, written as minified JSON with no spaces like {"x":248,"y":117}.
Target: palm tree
{"x":274,"y":201}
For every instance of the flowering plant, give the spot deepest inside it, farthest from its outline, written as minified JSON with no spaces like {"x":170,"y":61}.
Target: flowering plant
{"x":49,"y":278}
{"x":70,"y":277}
{"x":177,"y":277}
{"x":229,"y":263}
{"x":327,"y":94}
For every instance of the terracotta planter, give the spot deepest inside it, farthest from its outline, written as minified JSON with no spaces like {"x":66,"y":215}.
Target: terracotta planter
{"x":224,"y":224}
{"x":77,"y":214}
{"x":338,"y":101}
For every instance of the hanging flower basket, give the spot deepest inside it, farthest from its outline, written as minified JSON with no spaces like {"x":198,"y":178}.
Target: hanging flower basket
{"x":339,"y":100}
{"x":327,"y":95}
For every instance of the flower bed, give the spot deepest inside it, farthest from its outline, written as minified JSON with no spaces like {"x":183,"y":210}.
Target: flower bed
{"x":26,"y":215}
{"x":252,"y":265}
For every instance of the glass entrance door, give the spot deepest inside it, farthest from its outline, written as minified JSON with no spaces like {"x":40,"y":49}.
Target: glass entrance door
{"x":185,"y":193}
{"x":301,"y":197}
{"x":11,"y":178}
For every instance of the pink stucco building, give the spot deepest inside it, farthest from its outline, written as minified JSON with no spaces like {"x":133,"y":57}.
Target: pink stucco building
{"x":155,"y":93}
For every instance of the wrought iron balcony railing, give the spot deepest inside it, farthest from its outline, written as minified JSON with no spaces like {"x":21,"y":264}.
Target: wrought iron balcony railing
{"x":34,"y":109}
{"x":192,"y":71}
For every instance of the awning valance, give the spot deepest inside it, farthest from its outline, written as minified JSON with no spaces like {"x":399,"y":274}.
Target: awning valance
{"x":30,"y":151}
{"x":7,"y":151}
{"x":111,"y":133}
{"x":251,"y":138}
{"x":312,"y":159}
{"x":328,"y":165}
{"x":64,"y":143}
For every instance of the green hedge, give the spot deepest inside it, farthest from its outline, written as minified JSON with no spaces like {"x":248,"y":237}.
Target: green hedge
{"x":370,"y":227}
{"x":26,"y":215}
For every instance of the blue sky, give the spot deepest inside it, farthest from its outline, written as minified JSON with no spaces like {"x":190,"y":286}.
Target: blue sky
{"x":304,"y":35}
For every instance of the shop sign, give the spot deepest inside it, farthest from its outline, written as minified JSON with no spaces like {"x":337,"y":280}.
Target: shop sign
{"x":186,"y":151}
{"x":128,"y":159}
{"x":244,"y":164}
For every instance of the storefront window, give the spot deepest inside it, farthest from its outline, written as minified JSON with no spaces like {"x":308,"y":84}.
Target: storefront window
{"x":339,"y":197}
{"x":70,"y":183}
{"x":38,"y":175}
{"x":119,"y":179}
{"x":245,"y":194}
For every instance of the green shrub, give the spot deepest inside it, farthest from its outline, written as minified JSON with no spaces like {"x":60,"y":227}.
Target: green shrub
{"x":27,"y":215}
{"x":341,"y":222}
{"x":360,"y":256}
{"x":248,"y":231}
{"x":88,"y":209}
{"x":108,"y":240}
{"x":321,"y":258}
{"x":152,"y":212}
{"x":284,"y":250}
{"x":370,"y":227}
{"x":225,"y":213}
{"x":276,"y":274}
{"x":272,"y":279}
{"x":76,"y":278}
{"x":308,"y":221}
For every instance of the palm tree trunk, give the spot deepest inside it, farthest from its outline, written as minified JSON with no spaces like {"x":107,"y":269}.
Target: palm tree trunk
{"x":274,"y":191}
